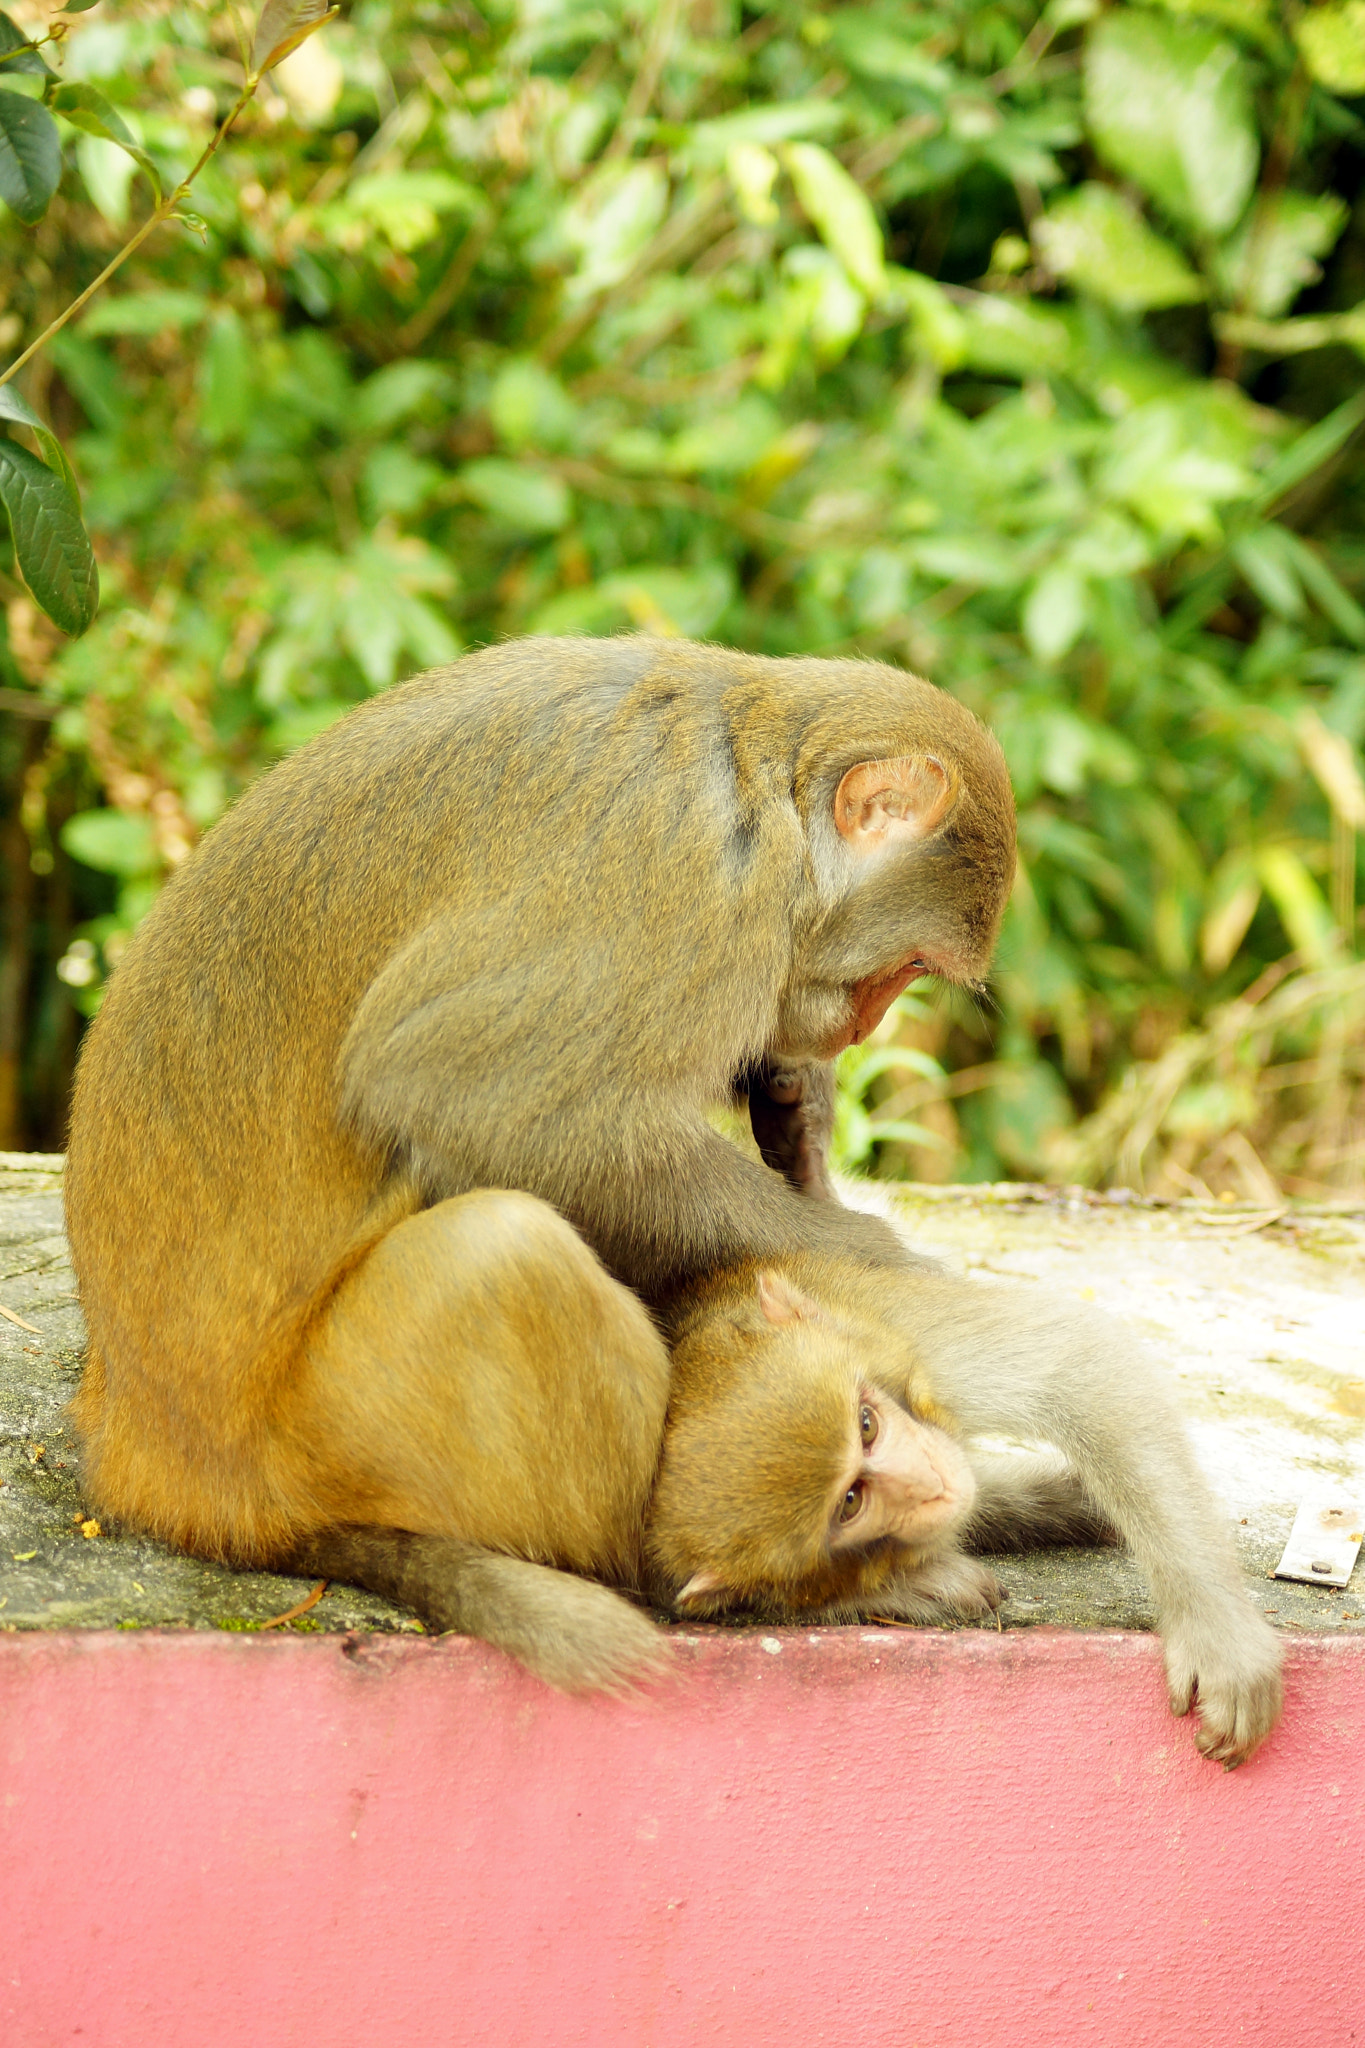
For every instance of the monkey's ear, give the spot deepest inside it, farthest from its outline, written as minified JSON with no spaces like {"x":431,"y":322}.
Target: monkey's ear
{"x":700,"y":1586}
{"x":783,"y":1302}
{"x":887,"y":803}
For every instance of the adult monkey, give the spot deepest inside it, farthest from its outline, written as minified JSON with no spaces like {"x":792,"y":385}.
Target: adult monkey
{"x":509,"y":926}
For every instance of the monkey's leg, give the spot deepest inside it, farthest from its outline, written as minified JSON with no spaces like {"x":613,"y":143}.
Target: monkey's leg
{"x":791,"y":1113}
{"x":484,"y":1407}
{"x":1015,"y":1363}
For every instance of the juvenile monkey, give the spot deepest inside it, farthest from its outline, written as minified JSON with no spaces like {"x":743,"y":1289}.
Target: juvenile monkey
{"x":814,"y":1468}
{"x":511,"y":926}
{"x":817,"y":1462}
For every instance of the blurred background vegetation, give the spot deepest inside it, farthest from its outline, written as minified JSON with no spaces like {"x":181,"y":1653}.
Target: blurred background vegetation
{"x":1020,"y":346}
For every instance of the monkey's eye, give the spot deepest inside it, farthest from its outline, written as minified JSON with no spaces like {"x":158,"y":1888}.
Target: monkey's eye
{"x":867,"y":1424}
{"x":851,"y":1502}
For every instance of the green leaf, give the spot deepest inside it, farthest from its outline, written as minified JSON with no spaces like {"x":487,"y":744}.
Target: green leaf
{"x":51,"y":547}
{"x":30,"y":156}
{"x":878,"y":53}
{"x":752,"y":170}
{"x":283,"y":25}
{"x":1055,"y":613}
{"x":1331,"y":41}
{"x":820,"y":304}
{"x":1270,"y":260}
{"x":782,"y":121}
{"x":1168,"y":104}
{"x":610,"y":220}
{"x":1268,"y":567}
{"x":687,"y":601}
{"x":1014,"y":337}
{"x":144,"y":313}
{"x":937,"y":327}
{"x":1298,"y":899}
{"x":524,"y":499}
{"x":88,"y":109}
{"x":1253,"y":18}
{"x":112,"y":842}
{"x":530,"y":408}
{"x":1097,"y":241}
{"x":1312,"y":449}
{"x":107,"y":172}
{"x":397,"y":391}
{"x":1338,"y":604}
{"x":13,"y":406}
{"x":406,"y":206}
{"x":18,"y":54}
{"x":841,"y":212}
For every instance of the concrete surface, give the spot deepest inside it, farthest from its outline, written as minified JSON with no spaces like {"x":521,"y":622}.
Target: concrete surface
{"x":1261,"y":1320}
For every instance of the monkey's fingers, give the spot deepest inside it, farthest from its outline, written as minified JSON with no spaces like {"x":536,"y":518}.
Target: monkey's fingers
{"x":947,"y":1585}
{"x":1228,"y":1668}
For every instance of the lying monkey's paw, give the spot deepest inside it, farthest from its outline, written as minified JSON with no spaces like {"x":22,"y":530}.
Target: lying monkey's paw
{"x":1226,"y":1661}
{"x":947,"y":1585}
{"x":576,"y":1635}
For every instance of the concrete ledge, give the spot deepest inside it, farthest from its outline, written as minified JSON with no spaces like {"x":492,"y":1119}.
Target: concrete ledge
{"x":858,"y":1837}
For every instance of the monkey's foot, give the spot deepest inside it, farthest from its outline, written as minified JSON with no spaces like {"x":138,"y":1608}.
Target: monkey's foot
{"x":579,"y":1636}
{"x":1225,"y":1661}
{"x":951,"y":1585}
{"x":575,"y":1634}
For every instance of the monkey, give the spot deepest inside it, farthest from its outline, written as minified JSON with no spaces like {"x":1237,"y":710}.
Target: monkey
{"x":482,"y":1411}
{"x":815,"y":1463}
{"x":511,"y":927}
{"x":817,"y":1466}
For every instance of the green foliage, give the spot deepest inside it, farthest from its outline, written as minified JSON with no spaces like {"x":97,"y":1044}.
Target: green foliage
{"x":986,"y":338}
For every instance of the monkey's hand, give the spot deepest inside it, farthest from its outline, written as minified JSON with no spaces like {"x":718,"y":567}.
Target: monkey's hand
{"x":947,"y":1585}
{"x":1225,"y":1661}
{"x":791,"y":1112}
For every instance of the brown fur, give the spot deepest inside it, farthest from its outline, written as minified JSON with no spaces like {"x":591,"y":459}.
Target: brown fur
{"x":513,"y":925}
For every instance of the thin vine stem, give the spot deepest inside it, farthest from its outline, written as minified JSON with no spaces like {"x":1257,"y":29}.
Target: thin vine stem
{"x":154,"y":220}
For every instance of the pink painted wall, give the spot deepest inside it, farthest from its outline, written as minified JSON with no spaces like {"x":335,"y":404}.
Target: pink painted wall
{"x":933,"y":1841}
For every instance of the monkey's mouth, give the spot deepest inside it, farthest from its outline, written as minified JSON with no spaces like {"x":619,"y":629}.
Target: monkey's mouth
{"x":872,"y":999}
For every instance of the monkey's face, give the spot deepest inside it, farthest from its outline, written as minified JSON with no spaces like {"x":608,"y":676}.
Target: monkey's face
{"x":915,"y":874}
{"x":791,"y":1481}
{"x":904,"y":1481}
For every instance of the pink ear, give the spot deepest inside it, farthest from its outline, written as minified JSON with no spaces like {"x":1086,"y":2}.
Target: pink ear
{"x":698,"y":1587}
{"x":781,"y":1302}
{"x":886,"y":803}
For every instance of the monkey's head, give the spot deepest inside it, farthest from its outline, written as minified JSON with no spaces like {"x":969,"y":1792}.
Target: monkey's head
{"x":912,"y":844}
{"x":790,"y":1480}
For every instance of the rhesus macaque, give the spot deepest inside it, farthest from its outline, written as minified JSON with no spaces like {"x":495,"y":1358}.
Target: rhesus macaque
{"x":511,"y":926}
{"x":814,"y":1469}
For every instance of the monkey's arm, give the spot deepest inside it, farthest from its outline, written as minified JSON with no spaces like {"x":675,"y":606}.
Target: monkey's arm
{"x":470,"y":1091}
{"x":1016,"y":1363}
{"x":1029,"y":1503}
{"x":791,"y":1111}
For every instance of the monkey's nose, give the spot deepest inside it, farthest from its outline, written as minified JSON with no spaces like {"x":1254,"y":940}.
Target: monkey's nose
{"x":919,"y":1482}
